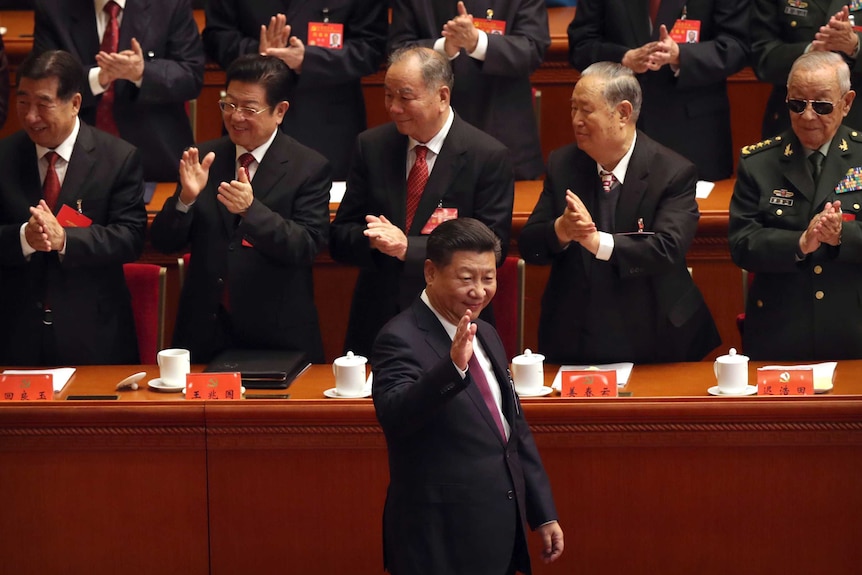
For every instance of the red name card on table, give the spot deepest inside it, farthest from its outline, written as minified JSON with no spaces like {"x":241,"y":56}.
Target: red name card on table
{"x":785,"y":381}
{"x":37,"y":387}
{"x":214,"y":386}
{"x":588,"y":384}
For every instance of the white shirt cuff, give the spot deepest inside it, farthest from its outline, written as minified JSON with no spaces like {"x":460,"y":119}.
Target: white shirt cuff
{"x":606,"y":246}
{"x":481,"y":47}
{"x":26,"y":248}
{"x":93,"y":77}
{"x":184,"y":208}
{"x":440,"y":46}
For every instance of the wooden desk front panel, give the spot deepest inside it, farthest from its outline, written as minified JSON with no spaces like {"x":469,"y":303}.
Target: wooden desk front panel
{"x":103,"y":489}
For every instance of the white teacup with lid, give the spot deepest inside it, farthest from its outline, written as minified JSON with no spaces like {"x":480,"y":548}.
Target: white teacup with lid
{"x":528,"y":372}
{"x":349,"y":373}
{"x":731,"y":371}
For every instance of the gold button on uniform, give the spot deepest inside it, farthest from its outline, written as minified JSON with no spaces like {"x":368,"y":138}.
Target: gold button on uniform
{"x":779,"y":211}
{"x":855,"y":206}
{"x":818,"y":270}
{"x":818,"y":294}
{"x":793,"y":24}
{"x":760,"y":303}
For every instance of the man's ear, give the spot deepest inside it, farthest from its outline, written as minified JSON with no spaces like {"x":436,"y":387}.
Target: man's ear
{"x":625,"y":110}
{"x":430,"y":272}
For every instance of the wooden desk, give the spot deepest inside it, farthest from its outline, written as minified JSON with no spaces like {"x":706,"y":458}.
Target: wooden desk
{"x":668,"y":481}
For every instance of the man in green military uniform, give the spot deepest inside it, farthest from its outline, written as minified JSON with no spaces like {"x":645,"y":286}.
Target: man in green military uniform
{"x":793,"y":222}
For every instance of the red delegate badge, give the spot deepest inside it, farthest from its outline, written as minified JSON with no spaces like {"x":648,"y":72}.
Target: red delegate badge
{"x":439,"y":216}
{"x":686,"y":32}
{"x":326,"y":35}
{"x":69,"y":218}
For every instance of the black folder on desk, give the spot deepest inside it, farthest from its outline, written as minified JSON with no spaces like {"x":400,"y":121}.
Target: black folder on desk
{"x":261,"y":368}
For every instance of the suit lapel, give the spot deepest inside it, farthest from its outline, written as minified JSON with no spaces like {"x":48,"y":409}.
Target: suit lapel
{"x":446,"y":168}
{"x":80,"y":166}
{"x":273,"y":167}
{"x":136,"y":24}
{"x":635,"y":185}
{"x":394,"y":163}
{"x":85,"y":35}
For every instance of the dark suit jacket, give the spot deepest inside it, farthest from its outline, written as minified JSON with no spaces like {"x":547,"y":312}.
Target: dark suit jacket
{"x":641,"y":305}
{"x":690,"y":113}
{"x":327,"y":109}
{"x":472,"y":173}
{"x":458,"y":496}
{"x":773,"y":202}
{"x":152,"y":117}
{"x":494,"y":95}
{"x":269,"y":285}
{"x":92,"y":312}
{"x":778,"y":38}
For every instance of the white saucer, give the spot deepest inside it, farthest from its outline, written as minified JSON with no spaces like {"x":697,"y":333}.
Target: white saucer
{"x":545,"y":390}
{"x":333,"y":393}
{"x":159,"y":385}
{"x":749,"y":390}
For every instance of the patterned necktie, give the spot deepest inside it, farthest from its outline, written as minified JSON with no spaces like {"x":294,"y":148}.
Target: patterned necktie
{"x":110,"y":44}
{"x":653,"y":10}
{"x":478,"y":375}
{"x":416,"y":181}
{"x":608,"y":180}
{"x":816,"y":164}
{"x":51,"y":185}
{"x":245,"y":161}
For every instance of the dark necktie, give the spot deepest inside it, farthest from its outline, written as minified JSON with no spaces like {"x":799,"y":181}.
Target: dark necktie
{"x":51,"y":185}
{"x":416,"y":181}
{"x":110,"y":44}
{"x":245,"y":161}
{"x":608,"y":202}
{"x":816,"y":164}
{"x":478,"y":375}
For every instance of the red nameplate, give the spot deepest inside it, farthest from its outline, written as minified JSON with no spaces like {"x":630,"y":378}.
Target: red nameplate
{"x":439,"y":216}
{"x":39,"y":387}
{"x":214,"y":386}
{"x":588,"y":384}
{"x":785,"y":381}
{"x":69,"y":218}
{"x":326,"y":35}
{"x":686,"y":32}
{"x":489,"y":26}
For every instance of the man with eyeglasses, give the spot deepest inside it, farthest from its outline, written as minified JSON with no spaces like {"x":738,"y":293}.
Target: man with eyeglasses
{"x":793,"y":223}
{"x":71,"y":214}
{"x":254,"y":208}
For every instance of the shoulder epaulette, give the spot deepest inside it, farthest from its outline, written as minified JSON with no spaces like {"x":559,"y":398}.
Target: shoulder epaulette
{"x":762,"y":145}
{"x":856,"y":136}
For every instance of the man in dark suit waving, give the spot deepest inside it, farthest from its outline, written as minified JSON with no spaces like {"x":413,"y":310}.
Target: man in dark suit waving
{"x":615,"y":219}
{"x":254,"y":206}
{"x":465,"y":474}
{"x":71,"y":214}
{"x":425,"y":167}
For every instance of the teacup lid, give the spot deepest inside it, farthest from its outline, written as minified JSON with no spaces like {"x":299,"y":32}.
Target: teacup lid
{"x":732,"y":357}
{"x":350,"y":359}
{"x":528,"y":358}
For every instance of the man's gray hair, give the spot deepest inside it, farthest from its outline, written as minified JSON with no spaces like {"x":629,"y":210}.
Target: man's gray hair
{"x":817,"y":59}
{"x":620,"y":85}
{"x":436,"y":70}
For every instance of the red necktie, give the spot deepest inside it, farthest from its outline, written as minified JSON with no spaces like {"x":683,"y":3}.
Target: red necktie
{"x":110,"y":44}
{"x":245,"y":161}
{"x":653,"y":10}
{"x":481,"y":382}
{"x":51,"y":185}
{"x":416,"y":181}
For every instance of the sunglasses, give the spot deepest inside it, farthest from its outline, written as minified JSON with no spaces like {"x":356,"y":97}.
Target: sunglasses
{"x":820,"y":107}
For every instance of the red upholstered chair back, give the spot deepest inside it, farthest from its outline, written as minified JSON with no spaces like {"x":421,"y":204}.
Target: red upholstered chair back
{"x":509,"y":305}
{"x":146,"y":284}
{"x":183,"y":268}
{"x":747,"y":278}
